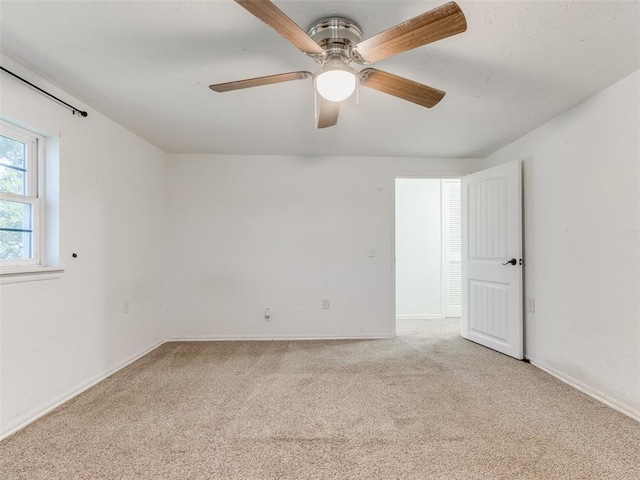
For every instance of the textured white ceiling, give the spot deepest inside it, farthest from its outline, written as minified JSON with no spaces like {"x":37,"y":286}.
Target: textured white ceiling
{"x":147,"y":65}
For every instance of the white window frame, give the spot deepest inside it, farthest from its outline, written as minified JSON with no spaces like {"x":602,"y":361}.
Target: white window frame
{"x":34,"y":197}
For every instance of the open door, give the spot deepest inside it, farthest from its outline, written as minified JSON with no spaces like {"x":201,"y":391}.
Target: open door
{"x":492,"y":258}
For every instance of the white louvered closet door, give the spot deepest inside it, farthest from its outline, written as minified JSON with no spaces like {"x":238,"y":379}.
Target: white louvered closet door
{"x":452,"y":248}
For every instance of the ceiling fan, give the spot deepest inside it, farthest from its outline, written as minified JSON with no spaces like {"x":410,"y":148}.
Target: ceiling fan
{"x":336,"y":43}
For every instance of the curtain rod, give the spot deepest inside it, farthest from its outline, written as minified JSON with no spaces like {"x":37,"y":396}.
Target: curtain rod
{"x":74,"y":110}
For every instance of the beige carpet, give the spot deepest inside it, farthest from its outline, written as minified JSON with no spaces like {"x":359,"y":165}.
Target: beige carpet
{"x":426,"y":405}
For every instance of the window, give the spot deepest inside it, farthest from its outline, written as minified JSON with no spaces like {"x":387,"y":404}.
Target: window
{"x":21,"y":197}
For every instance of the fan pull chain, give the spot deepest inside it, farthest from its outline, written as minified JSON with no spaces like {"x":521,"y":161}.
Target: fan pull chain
{"x":315,"y":106}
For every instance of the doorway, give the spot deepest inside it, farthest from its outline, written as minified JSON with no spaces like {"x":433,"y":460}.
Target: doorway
{"x":428,"y":250}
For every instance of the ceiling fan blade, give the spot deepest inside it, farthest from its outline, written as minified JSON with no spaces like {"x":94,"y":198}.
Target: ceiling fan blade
{"x":328,"y":113}
{"x":259,"y":81}
{"x":400,"y":87}
{"x":436,"y":24}
{"x":276,"y":19}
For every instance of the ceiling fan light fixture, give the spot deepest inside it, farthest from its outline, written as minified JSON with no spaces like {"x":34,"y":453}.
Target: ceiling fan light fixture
{"x":335,"y":81}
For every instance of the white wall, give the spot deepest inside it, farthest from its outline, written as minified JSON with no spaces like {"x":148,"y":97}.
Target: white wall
{"x":418,"y":248}
{"x":582,"y":243}
{"x":59,"y":335}
{"x":251,"y":232}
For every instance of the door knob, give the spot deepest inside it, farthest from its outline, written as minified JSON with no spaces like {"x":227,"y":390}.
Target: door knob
{"x":513,"y":261}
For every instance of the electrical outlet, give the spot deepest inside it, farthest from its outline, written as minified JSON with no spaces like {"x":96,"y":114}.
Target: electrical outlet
{"x":531,"y":305}
{"x":126,"y":305}
{"x":325,"y":303}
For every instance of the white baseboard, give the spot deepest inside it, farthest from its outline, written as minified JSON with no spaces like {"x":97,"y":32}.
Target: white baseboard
{"x":243,"y":338}
{"x":601,"y":397}
{"x":417,"y":317}
{"x":56,"y":402}
{"x":39,"y":412}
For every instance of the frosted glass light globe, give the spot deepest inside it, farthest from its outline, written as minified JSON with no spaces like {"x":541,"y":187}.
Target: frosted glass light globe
{"x":336,"y":84}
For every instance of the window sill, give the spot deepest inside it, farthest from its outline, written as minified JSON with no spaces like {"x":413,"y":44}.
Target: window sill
{"x":29,"y":274}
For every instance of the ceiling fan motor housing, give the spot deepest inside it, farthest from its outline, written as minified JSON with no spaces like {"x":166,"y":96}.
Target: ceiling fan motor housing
{"x":336,"y":35}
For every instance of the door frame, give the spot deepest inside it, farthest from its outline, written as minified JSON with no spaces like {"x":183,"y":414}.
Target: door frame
{"x":442,"y":176}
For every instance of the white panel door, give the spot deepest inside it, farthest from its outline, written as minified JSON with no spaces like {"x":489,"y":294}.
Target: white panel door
{"x":492,"y":258}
